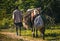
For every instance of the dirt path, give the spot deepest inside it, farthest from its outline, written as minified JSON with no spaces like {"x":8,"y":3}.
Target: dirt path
{"x":25,"y":38}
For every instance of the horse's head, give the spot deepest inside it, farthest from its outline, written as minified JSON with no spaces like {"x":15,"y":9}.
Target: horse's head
{"x":35,"y":12}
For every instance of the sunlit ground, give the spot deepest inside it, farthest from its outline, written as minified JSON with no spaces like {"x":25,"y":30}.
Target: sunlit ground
{"x":50,"y":34}
{"x":6,"y":38}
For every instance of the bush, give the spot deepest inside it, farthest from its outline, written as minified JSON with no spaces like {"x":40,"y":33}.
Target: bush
{"x":6,"y":23}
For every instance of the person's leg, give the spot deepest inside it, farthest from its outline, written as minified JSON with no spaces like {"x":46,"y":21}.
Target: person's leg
{"x":16,"y":28}
{"x":20,"y":31}
{"x":20,"y":26}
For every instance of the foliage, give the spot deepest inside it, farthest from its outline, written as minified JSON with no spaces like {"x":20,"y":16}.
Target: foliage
{"x":48,"y":7}
{"x":6,"y":23}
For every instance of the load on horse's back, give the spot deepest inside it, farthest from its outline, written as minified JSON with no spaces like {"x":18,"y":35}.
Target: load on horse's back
{"x":38,"y":22}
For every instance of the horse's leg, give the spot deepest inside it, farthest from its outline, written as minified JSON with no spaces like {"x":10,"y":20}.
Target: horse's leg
{"x":33,"y":32}
{"x":36,"y":32}
{"x":43,"y":32}
{"x":17,"y":30}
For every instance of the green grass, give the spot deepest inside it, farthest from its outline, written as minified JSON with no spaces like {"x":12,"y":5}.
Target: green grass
{"x":50,"y":34}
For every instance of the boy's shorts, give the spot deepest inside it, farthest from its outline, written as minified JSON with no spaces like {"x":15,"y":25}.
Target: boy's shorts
{"x":19,"y":24}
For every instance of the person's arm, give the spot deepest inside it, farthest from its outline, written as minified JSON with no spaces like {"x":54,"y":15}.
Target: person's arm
{"x":13,"y":16}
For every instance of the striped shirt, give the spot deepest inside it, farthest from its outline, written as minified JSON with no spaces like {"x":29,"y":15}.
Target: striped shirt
{"x":17,"y":16}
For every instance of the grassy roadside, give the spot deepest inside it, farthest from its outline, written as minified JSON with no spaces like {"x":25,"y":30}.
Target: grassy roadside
{"x":7,"y":38}
{"x":50,"y":34}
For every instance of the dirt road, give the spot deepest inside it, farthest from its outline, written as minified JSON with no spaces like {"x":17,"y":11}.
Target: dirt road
{"x":25,"y":38}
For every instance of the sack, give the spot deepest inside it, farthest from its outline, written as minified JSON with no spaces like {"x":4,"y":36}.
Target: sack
{"x":38,"y":21}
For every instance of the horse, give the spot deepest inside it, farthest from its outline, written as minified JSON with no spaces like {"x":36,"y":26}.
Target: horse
{"x":28,"y":21}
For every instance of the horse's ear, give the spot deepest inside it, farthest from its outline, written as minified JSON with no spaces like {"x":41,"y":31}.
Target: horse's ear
{"x":39,"y":8}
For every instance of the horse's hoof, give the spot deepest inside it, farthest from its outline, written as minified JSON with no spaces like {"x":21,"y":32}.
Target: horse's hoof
{"x":36,"y":36}
{"x":20,"y":34}
{"x":33,"y":35}
{"x":43,"y":38}
{"x":17,"y":34}
{"x":42,"y":35}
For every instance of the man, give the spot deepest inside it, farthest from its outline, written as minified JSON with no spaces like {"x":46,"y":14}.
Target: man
{"x":17,"y":17}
